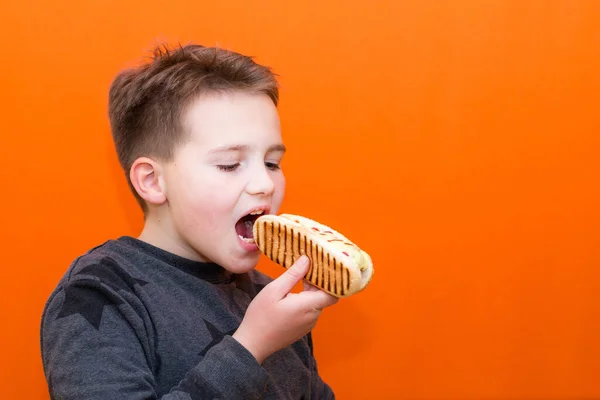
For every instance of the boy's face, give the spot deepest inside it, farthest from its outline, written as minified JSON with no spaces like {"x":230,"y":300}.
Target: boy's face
{"x":228,"y":167}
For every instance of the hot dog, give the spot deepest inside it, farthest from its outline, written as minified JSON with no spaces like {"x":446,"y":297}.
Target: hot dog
{"x":338,"y":266}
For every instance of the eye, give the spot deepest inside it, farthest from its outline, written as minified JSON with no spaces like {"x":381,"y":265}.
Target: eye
{"x":272,"y":166}
{"x":229,"y":167}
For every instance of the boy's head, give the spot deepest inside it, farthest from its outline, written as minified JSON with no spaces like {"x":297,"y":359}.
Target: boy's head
{"x":146,"y":103}
{"x":197,"y":133}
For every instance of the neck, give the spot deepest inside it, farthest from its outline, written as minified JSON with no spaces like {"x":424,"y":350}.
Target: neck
{"x":159,"y":231}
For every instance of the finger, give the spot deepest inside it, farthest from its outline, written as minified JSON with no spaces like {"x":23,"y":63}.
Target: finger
{"x":317,"y":300}
{"x":307,"y":286}
{"x":325,"y":300}
{"x":286,"y":282}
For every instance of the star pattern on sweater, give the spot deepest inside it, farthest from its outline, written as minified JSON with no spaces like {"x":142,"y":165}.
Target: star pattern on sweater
{"x":216,"y":336}
{"x":86,"y":295}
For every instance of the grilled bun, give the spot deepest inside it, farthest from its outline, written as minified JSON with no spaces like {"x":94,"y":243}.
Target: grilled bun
{"x":338,"y":266}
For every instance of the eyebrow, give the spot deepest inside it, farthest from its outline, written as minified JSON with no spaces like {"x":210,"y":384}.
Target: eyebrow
{"x":244,"y":147}
{"x":276,"y":147}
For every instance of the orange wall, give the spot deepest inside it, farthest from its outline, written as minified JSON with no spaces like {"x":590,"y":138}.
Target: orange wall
{"x":455,"y":141}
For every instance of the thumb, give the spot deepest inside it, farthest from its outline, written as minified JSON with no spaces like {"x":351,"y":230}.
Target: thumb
{"x":292,"y":276}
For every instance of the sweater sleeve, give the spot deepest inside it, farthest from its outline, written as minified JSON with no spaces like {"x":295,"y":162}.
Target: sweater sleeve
{"x":91,"y":349}
{"x":319,"y":389}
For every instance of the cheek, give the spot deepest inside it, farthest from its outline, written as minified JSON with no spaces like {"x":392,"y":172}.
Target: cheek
{"x":209,"y":209}
{"x":201,"y":205}
{"x":279,"y":192}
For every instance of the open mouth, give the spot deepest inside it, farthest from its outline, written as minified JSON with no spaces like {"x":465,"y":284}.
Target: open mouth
{"x":244,"y":226}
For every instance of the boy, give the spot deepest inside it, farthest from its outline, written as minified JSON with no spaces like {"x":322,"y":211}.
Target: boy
{"x":179,"y":312}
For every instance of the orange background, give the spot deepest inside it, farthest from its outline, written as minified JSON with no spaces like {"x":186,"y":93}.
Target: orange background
{"x":455,"y":141}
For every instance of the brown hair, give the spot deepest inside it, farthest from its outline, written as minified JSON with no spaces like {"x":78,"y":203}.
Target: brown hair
{"x":146,"y":102}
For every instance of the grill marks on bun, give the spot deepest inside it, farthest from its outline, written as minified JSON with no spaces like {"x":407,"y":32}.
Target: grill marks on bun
{"x":283,"y":239}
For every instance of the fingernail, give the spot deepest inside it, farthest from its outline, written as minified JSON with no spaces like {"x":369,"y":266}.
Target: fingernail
{"x":303,"y":260}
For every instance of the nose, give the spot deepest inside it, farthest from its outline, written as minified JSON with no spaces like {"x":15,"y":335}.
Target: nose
{"x":260,"y":182}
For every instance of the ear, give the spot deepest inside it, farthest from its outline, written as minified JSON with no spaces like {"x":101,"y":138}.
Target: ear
{"x":147,"y":179}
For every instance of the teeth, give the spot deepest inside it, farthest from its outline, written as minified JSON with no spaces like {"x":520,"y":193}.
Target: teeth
{"x":247,"y":240}
{"x":257,"y":212}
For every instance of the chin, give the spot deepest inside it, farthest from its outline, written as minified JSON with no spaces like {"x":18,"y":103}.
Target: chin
{"x":242,"y":265}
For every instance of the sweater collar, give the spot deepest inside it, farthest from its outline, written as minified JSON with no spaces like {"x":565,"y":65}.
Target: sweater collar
{"x":210,"y":272}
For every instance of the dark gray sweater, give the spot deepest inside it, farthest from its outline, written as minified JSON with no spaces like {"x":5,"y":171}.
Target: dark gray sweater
{"x":131,"y":321}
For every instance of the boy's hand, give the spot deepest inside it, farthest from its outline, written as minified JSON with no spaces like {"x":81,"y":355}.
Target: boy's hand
{"x":277,"y":318}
